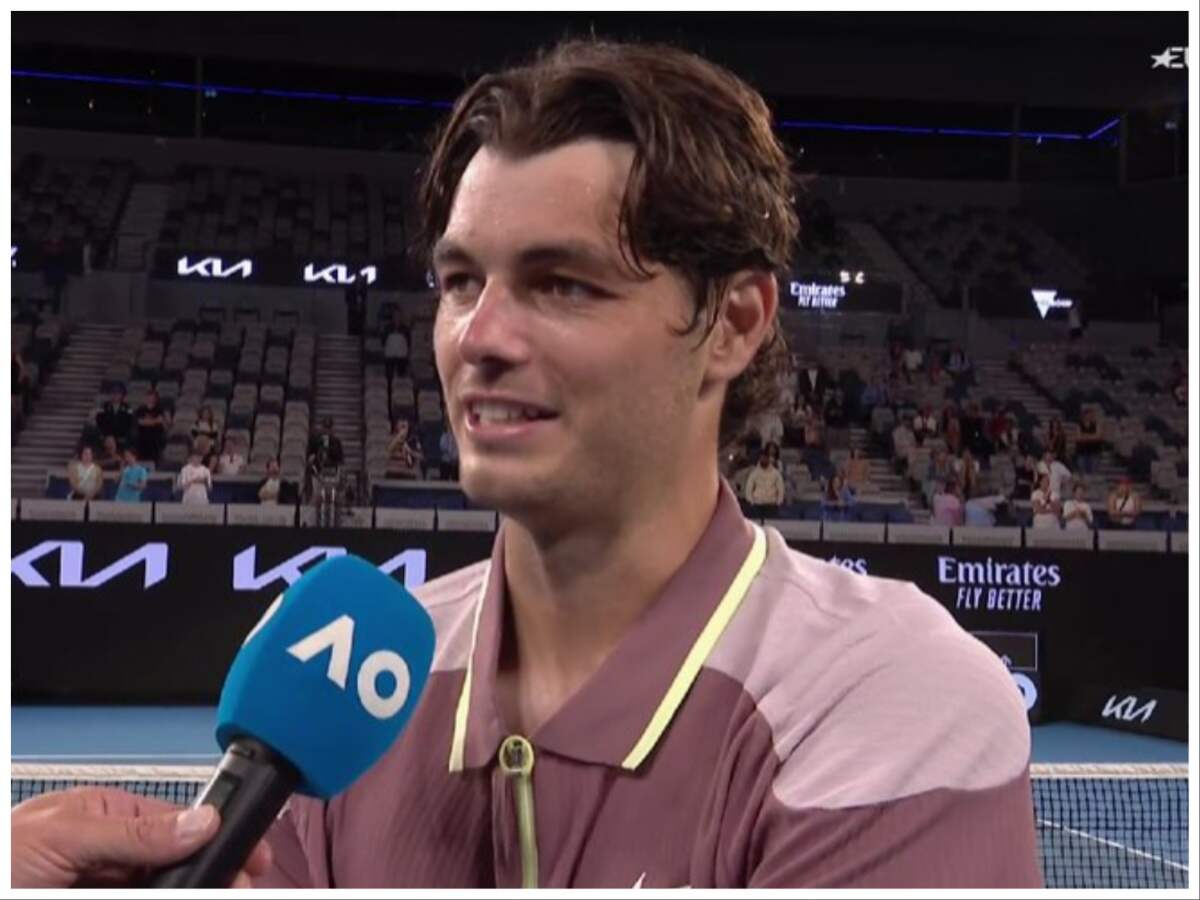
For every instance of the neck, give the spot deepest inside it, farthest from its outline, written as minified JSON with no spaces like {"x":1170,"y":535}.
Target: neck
{"x":575,"y":592}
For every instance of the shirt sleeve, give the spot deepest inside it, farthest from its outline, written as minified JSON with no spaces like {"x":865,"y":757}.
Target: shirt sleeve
{"x":917,"y":777}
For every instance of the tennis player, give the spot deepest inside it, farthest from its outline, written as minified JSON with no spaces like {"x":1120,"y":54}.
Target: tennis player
{"x":641,"y":688}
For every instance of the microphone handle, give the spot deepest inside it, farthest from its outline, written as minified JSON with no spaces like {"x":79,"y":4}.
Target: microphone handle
{"x":248,"y":789}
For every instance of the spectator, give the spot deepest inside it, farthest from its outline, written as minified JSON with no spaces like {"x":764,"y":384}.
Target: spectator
{"x":966,"y":471}
{"x":934,"y":369}
{"x":980,"y":512}
{"x":268,"y":488}
{"x":1074,"y":322}
{"x":876,"y":393}
{"x":21,"y":385}
{"x":115,"y":418}
{"x":948,"y":504}
{"x":814,"y":383}
{"x":1124,"y":504}
{"x":395,"y":348}
{"x":110,"y":456}
{"x":1025,"y":472}
{"x":903,"y":439}
{"x":941,"y":470}
{"x":997,"y":429}
{"x":1179,"y":392}
{"x":404,"y":452}
{"x":835,"y":409}
{"x":325,"y":448}
{"x":205,"y":432}
{"x":769,"y":427}
{"x":1056,"y":438}
{"x":356,"y":307}
{"x":764,"y":489}
{"x":912,"y":360}
{"x":133,"y":478}
{"x":1088,"y":444}
{"x":232,"y":460}
{"x":857,"y":472}
{"x":1054,"y":469}
{"x":799,"y":418}
{"x":958,"y":363}
{"x":449,"y":449}
{"x":974,"y":436}
{"x":952,"y":429}
{"x":1077,"y":512}
{"x":1046,"y":504}
{"x":85,"y":476}
{"x":210,"y":460}
{"x":152,"y":427}
{"x":195,"y":481}
{"x":837,"y":499}
{"x":925,"y":425}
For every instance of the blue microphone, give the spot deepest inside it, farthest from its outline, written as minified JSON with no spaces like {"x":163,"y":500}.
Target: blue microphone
{"x":322,"y":687}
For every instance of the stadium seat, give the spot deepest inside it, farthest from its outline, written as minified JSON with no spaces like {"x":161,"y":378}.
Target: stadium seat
{"x":1179,"y":542}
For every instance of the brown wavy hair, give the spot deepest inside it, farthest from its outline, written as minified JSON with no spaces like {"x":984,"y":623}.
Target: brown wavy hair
{"x":710,"y":192}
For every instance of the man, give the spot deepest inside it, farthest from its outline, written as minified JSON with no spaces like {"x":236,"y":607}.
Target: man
{"x":395,"y":348}
{"x":641,"y":688}
{"x":133,"y":478}
{"x":152,"y":427}
{"x":764,"y":487}
{"x":1053,"y":468}
{"x":814,"y":382}
{"x":325,"y":448}
{"x":115,"y":418}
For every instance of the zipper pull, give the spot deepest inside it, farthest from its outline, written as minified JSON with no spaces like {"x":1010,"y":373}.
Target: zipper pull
{"x":516,"y":762}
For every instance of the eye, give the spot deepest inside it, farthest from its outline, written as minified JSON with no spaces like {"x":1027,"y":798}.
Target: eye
{"x":458,"y":285}
{"x":567,"y":288}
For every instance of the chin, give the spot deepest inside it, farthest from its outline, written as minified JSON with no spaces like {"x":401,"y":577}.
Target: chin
{"x":506,"y":489}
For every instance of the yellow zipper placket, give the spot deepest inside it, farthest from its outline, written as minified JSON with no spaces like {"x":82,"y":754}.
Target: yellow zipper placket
{"x":516,"y":762}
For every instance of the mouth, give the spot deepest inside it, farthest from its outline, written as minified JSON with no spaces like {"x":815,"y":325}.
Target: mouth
{"x":491,"y":421}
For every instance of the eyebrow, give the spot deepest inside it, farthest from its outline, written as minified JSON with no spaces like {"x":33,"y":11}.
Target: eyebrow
{"x":580,"y":254}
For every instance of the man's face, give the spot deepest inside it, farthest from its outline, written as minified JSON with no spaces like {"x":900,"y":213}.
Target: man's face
{"x":565,"y":385}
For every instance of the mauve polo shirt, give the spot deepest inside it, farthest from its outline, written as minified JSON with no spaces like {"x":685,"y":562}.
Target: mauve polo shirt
{"x":771,"y":720}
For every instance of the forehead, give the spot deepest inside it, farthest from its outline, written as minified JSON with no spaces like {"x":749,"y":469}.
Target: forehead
{"x":572,"y":192}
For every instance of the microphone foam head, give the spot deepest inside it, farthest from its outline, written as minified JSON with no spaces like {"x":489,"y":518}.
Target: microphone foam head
{"x":331,"y":674}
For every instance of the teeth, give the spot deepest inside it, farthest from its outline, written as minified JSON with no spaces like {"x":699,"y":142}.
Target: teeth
{"x":502,"y":412}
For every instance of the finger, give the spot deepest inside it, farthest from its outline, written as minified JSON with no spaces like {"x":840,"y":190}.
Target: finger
{"x":242,"y":882}
{"x":153,"y":840}
{"x":260,"y":860}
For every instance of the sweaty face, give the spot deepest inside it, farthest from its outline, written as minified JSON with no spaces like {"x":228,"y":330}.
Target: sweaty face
{"x":567,"y":389}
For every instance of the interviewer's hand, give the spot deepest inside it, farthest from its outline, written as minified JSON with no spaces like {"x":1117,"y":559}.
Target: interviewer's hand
{"x":101,"y":837}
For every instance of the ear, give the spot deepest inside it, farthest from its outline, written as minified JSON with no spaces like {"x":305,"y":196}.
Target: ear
{"x":745,"y":319}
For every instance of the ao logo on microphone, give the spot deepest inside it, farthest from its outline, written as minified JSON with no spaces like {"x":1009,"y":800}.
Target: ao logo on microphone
{"x":338,"y":638}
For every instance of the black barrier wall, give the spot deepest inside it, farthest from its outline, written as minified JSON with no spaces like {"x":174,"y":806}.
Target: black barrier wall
{"x":152,"y":614}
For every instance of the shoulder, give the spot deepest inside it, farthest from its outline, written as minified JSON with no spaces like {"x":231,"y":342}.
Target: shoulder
{"x":870,"y":688}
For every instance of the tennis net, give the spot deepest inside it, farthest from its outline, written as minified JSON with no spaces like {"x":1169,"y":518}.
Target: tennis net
{"x":1099,"y":826}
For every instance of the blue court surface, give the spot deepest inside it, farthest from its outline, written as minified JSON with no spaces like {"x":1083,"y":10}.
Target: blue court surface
{"x":183,"y":735}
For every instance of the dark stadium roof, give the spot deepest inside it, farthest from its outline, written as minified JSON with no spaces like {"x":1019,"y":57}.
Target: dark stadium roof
{"x":1099,"y":60}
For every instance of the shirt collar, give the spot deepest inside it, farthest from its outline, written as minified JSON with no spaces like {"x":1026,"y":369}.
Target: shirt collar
{"x":617,"y":717}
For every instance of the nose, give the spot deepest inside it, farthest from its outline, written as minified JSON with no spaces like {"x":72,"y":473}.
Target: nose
{"x":494,"y":333}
